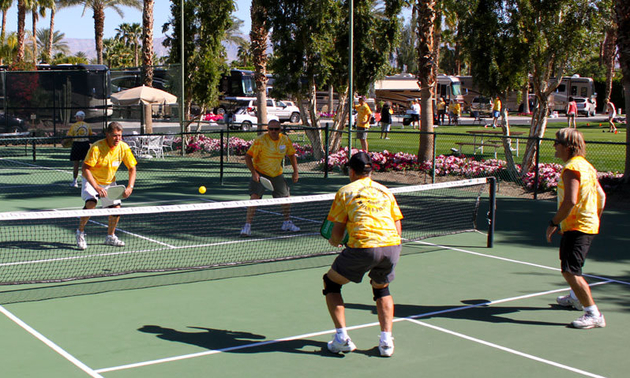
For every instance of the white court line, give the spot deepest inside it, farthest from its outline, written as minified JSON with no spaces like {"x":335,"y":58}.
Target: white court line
{"x":505,"y":349}
{"x":50,"y":344}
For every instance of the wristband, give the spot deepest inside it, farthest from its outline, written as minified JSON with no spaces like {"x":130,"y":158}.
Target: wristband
{"x":552,"y":224}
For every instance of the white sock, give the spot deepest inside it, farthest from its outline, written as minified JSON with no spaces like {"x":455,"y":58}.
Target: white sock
{"x":573,"y":295}
{"x":342,"y":334}
{"x":593,"y":310}
{"x":386,"y":337}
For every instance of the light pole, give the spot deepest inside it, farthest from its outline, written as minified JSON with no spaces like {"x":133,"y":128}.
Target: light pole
{"x":182,"y":106}
{"x":350,"y":82}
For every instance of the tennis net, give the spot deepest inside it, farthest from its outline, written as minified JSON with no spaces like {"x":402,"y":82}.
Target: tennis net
{"x":41,"y":246}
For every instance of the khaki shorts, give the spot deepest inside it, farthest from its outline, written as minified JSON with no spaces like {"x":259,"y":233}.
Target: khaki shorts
{"x":361,"y":133}
{"x":280,"y":187}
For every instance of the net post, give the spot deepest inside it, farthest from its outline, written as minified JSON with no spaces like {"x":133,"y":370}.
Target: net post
{"x":433,"y":170}
{"x":492,"y":199}
{"x":34,"y":149}
{"x":326,"y":150}
{"x":221,"y":159}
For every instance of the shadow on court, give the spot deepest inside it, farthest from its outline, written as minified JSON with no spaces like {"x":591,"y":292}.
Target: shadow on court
{"x":227,"y":341}
{"x":472,"y":310}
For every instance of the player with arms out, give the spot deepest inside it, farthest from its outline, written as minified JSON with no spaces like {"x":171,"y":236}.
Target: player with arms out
{"x":581,"y":201}
{"x":264,"y":160}
{"x":369,"y":213}
{"x":99,"y":174}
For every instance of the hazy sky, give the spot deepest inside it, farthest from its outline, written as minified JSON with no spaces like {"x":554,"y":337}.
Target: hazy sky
{"x":71,"y":22}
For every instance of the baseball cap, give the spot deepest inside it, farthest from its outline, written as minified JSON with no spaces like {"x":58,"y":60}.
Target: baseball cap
{"x":360,"y":163}
{"x":80,"y":114}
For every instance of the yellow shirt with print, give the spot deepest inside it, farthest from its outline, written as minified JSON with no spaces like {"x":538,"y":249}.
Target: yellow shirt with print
{"x":267,"y":154}
{"x":80,"y":129}
{"x":105,"y":161}
{"x":363,"y":115}
{"x":369,"y":211}
{"x":584,"y":215}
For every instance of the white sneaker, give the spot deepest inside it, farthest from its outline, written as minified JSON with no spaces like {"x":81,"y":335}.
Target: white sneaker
{"x":74,"y":184}
{"x":113,"y":240}
{"x":338,"y":346}
{"x":588,"y":321}
{"x":81,"y":240}
{"x":289,"y":226}
{"x":568,"y":301}
{"x":386,"y":348}
{"x":246,"y":230}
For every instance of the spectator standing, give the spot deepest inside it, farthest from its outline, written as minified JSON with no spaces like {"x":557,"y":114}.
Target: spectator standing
{"x":386,"y":119}
{"x":571,"y":113}
{"x":441,"y":107}
{"x":364,"y":114}
{"x":612,"y":113}
{"x":80,"y":131}
{"x":496,"y":112}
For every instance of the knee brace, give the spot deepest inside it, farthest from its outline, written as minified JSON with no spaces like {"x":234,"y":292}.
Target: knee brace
{"x":380,"y":293}
{"x":330,"y":286}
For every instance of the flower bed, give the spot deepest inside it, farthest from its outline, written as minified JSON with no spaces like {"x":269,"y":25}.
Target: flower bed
{"x":238,"y":146}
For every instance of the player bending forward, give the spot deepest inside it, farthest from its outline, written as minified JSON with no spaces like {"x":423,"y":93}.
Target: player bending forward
{"x":99,"y":173}
{"x":370,"y":214}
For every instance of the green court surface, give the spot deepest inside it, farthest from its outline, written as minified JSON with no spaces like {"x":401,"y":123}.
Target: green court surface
{"x":462,"y":310}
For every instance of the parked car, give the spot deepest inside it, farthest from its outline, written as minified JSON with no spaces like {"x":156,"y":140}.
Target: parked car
{"x":11,"y":124}
{"x":481,"y":105}
{"x":585,"y":106}
{"x":244,"y":118}
{"x":282,"y":110}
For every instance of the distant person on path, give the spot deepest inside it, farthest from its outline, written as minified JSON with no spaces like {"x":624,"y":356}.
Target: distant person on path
{"x":386,"y":119}
{"x":363,"y":122}
{"x":99,"y":173}
{"x":264,"y":159}
{"x":415,"y":114}
{"x":441,"y":108}
{"x":370,"y":214}
{"x":581,"y":201}
{"x":571,"y":113}
{"x":496,"y":112}
{"x":612,"y":113}
{"x":80,"y":144}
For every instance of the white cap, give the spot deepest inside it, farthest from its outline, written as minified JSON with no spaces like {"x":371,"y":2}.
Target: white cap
{"x":80,"y":114}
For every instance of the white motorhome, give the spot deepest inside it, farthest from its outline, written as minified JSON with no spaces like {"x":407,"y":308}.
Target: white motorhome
{"x":582,"y":89}
{"x":402,"y":88}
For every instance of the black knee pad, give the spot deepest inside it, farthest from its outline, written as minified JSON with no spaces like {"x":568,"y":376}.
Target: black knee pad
{"x":380,"y":293}
{"x":330,"y":286}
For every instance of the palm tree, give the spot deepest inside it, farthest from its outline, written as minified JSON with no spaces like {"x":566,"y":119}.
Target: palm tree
{"x":130,"y":35}
{"x":8,"y":49}
{"x":147,"y":43}
{"x":38,"y":7}
{"x":258,"y":36}
{"x":98,"y":9}
{"x":22,"y":6}
{"x":58,"y":45}
{"x":57,"y":4}
{"x":4,"y":7}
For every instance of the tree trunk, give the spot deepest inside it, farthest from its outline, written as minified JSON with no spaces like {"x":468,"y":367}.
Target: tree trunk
{"x":525,"y":96}
{"x":99,"y":22}
{"x":507,"y":142}
{"x":19,"y":57}
{"x":339,"y":122}
{"x":331,"y":98}
{"x":34,"y":17}
{"x":147,"y":43}
{"x":49,"y":47}
{"x":258,"y":36}
{"x":425,"y":10}
{"x":610,"y":47}
{"x":539,"y":125}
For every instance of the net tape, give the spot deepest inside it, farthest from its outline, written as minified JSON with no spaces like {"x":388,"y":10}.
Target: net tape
{"x":41,"y":246}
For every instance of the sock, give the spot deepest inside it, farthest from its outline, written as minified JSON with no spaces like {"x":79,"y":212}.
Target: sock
{"x":386,"y":337}
{"x":342,"y":334}
{"x":593,"y":310}
{"x":573,"y":295}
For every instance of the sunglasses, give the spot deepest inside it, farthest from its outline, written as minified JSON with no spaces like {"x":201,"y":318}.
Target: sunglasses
{"x":273,"y":128}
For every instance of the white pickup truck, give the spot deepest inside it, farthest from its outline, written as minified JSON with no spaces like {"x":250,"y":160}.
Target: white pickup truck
{"x":283,"y":111}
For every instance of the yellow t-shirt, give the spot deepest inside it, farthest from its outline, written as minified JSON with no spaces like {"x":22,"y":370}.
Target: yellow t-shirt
{"x":363,"y":115}
{"x":267,"y":154}
{"x":369,"y":211}
{"x":105,"y":161}
{"x":584,"y":215}
{"x":496,"y":106}
{"x":80,"y":129}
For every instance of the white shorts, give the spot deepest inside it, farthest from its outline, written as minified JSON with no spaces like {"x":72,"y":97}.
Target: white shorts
{"x":88,"y":193}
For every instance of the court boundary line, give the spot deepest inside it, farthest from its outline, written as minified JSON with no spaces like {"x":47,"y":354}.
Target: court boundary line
{"x":76,"y":362}
{"x":396,"y":320}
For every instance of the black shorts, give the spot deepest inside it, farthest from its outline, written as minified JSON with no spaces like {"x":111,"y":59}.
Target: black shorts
{"x":574,"y":247}
{"x":79,"y":150}
{"x":353,"y":263}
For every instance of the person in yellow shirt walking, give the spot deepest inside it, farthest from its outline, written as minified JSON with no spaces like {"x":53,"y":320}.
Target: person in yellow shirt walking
{"x":363,"y":122}
{"x":264,"y":159}
{"x":80,"y":144}
{"x":99,"y":173}
{"x":581,"y":201}
{"x":496,"y":112}
{"x":370,"y":214}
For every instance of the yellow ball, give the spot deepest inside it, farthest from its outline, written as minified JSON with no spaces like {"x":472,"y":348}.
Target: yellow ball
{"x":202,"y":189}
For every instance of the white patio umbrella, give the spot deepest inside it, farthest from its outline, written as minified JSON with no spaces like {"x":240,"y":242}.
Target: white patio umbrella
{"x":144,"y":95}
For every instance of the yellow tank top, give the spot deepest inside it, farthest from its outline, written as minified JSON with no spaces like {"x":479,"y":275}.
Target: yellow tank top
{"x":584,"y":215}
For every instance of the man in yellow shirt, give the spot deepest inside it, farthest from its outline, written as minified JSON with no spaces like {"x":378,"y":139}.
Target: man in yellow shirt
{"x":264,"y":159}
{"x":369,"y":213}
{"x":496,"y":112}
{"x":99,"y":173}
{"x":80,"y":144}
{"x":581,"y":201}
{"x":363,"y":122}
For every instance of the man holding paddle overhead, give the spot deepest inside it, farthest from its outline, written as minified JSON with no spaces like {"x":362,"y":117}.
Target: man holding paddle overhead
{"x":99,"y":173}
{"x":264,"y":160}
{"x":370,"y":214}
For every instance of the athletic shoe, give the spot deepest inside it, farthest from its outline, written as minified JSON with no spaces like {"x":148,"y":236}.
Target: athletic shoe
{"x":337,"y":346}
{"x":81,"y":240}
{"x":588,"y":321}
{"x":113,"y":240}
{"x":74,"y":184}
{"x":247,"y":230}
{"x":386,"y":349}
{"x":568,"y":301}
{"x":289,"y":226}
